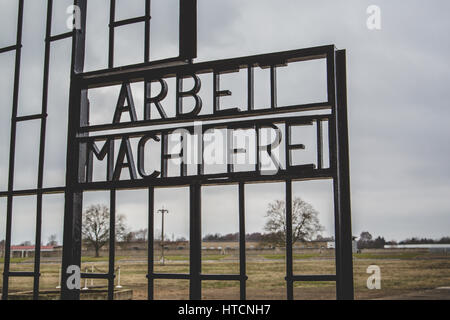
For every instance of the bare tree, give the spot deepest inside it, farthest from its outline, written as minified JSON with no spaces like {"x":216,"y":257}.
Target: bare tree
{"x":95,"y":227}
{"x":52,"y":240}
{"x":305,"y":222}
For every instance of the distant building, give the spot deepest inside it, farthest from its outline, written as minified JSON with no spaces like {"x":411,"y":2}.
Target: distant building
{"x":433,"y":248}
{"x":23,"y":251}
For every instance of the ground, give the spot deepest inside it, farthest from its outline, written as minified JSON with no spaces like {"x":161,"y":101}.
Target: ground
{"x":411,"y":274}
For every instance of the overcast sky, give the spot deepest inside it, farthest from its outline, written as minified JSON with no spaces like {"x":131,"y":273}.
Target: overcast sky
{"x":398,"y":95}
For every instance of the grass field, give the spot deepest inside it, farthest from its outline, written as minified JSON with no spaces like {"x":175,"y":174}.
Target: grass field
{"x":402,"y":272}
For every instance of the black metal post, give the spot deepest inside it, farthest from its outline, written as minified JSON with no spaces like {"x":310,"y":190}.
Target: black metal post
{"x":345,"y":289}
{"x":289,"y":258}
{"x":76,"y":160}
{"x":37,"y":258}
{"x":151,"y":222}
{"x":112,"y":243}
{"x":188,"y":29}
{"x":195,"y":199}
{"x":242,"y":256}
{"x":12,"y":152}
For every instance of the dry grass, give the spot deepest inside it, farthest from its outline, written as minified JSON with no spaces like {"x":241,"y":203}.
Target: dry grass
{"x":400,"y":274}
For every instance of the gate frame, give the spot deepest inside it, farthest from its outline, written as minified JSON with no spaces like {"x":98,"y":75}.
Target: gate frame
{"x":78,"y":128}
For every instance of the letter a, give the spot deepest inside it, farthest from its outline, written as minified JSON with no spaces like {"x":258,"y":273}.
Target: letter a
{"x":374,"y":20}
{"x":125,"y":94}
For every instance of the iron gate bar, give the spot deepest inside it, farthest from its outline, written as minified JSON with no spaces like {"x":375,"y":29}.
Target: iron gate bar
{"x":223,"y":116}
{"x":112,"y":15}
{"x":195,"y":240}
{"x":138,"y":72}
{"x":151,"y":235}
{"x":248,"y":124}
{"x":324,"y":277}
{"x":31,"y":192}
{"x":105,"y":276}
{"x":171,"y":276}
{"x":345,"y":275}
{"x":10,"y":48}
{"x":222,"y":277}
{"x":12,"y":151}
{"x":60,"y":36}
{"x":40,"y":182}
{"x":289,"y":258}
{"x":147,"y":31}
{"x":31,"y":117}
{"x":78,"y":115}
{"x":21,"y":274}
{"x":242,"y":243}
{"x":210,"y":180}
{"x":112,"y":243}
{"x":130,"y":21}
{"x":187,"y":32}
{"x":319,"y":144}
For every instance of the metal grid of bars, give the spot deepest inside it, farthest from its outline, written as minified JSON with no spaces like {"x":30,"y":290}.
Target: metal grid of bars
{"x":338,"y":169}
{"x":42,"y":116}
{"x":79,"y":131}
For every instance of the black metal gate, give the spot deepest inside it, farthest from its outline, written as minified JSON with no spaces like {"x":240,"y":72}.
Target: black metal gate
{"x":81,"y":149}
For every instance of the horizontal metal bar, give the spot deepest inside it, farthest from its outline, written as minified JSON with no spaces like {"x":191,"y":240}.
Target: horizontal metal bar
{"x":313,"y":278}
{"x":32,"y":192}
{"x":21,"y":274}
{"x":205,"y":127}
{"x":211,"y":117}
{"x":97,"y":276}
{"x":60,"y":36}
{"x":129,"y":21}
{"x":169,"y":276}
{"x":10,"y":48}
{"x":31,"y":117}
{"x":115,"y":71}
{"x":222,"y":277}
{"x":208,"y":180}
{"x":138,"y":72}
{"x":206,"y":277}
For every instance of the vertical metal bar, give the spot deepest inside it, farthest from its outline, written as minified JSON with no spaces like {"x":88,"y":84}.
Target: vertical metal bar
{"x":147,"y":84}
{"x":164,"y":157}
{"x":37,"y":258}
{"x":333,"y":155}
{"x":37,"y":246}
{"x":319,"y":144}
{"x":200,"y":153}
{"x":151,"y":236}
{"x":195,"y":291}
{"x":188,"y":29}
{"x":147,"y":32}
{"x":273,"y":87}
{"x":112,"y":17}
{"x":230,"y":152}
{"x":258,"y":155}
{"x":332,"y":101}
{"x":289,"y":259}
{"x":112,"y":243}
{"x":76,"y":160}
{"x":250,"y":88}
{"x":12,"y":151}
{"x":345,"y":288}
{"x":216,"y":88}
{"x":242,"y":257}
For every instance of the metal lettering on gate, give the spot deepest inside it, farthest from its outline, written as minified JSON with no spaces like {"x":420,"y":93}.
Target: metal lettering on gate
{"x":85,"y":145}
